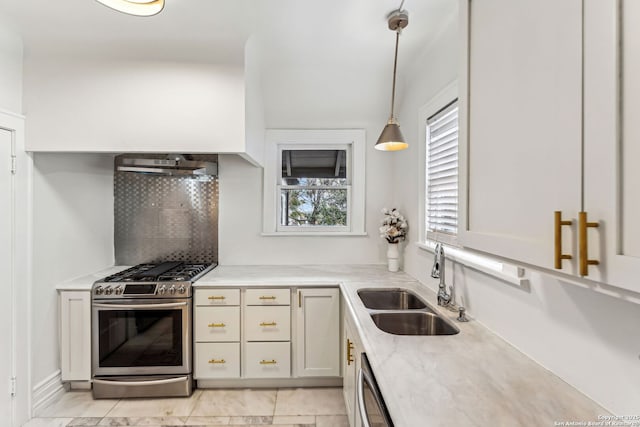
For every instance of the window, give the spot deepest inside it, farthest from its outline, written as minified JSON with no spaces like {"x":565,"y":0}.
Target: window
{"x":439,"y":153}
{"x":314,"y":188}
{"x":442,"y":172}
{"x":314,"y":182}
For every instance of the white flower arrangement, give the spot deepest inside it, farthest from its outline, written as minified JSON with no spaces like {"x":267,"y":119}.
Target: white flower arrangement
{"x":394,"y":226}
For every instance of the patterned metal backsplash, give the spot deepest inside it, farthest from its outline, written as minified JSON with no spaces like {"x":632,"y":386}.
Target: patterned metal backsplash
{"x":165,"y":218}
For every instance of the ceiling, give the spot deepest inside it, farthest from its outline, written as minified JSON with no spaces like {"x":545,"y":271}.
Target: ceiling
{"x":308,"y":32}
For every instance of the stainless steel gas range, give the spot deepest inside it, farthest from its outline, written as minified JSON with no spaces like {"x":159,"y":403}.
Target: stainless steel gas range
{"x":141,"y":331}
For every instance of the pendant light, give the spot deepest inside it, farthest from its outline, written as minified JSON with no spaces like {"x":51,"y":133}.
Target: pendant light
{"x":135,"y":7}
{"x":391,"y":138}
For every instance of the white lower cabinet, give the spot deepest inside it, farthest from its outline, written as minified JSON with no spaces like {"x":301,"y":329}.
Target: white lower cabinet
{"x":258,"y":333}
{"x":318,"y":332}
{"x":350,"y":367}
{"x":217,"y":360}
{"x":75,"y":335}
{"x":267,"y":359}
{"x":216,"y":325}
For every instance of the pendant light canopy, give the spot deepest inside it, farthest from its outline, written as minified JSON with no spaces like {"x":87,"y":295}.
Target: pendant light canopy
{"x":391,"y":138}
{"x":135,"y":7}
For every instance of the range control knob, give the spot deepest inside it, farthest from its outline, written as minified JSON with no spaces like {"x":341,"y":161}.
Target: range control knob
{"x":172,"y":289}
{"x":99,"y":290}
{"x":182,"y":289}
{"x":119,"y":290}
{"x":108,"y":290}
{"x":162,"y":290}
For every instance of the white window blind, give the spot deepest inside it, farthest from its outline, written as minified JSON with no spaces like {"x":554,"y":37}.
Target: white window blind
{"x":442,"y":172}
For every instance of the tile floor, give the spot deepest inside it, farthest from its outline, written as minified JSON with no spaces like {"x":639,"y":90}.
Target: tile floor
{"x":295,"y":407}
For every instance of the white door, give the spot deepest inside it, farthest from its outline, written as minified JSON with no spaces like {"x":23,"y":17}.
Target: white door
{"x":318,"y":332}
{"x":520,"y":125}
{"x":612,"y":140}
{"x":6,"y":265}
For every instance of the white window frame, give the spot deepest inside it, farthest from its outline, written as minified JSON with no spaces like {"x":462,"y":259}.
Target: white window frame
{"x":352,"y":140}
{"x":437,"y":103}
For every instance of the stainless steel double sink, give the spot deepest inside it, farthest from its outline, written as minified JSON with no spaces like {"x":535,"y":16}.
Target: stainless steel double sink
{"x":401,"y":312}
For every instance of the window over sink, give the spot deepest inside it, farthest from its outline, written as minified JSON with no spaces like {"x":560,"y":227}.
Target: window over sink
{"x":314,"y":182}
{"x":439,"y":133}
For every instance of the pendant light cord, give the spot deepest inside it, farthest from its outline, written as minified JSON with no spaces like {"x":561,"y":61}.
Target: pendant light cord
{"x":395,"y":67}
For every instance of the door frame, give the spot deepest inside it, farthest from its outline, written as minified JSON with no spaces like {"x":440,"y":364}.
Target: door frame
{"x":21,"y":236}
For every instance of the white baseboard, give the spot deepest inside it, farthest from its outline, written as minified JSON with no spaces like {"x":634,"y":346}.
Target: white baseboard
{"x":47,"y":391}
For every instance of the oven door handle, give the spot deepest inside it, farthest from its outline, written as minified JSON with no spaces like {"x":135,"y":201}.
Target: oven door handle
{"x":360,"y":395}
{"x":141,"y":383}
{"x":141,"y":306}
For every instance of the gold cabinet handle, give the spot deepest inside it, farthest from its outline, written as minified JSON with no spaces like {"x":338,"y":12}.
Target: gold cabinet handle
{"x":583,"y":225}
{"x":268,"y":362}
{"x":268,"y":324}
{"x":349,"y":354}
{"x":212,"y":297}
{"x":558,"y":255}
{"x":265,"y":297}
{"x":217,"y":325}
{"x":217,"y":361}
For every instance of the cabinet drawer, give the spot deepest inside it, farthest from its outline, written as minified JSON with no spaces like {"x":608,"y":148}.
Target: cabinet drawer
{"x":216,"y":297}
{"x":217,"y":360}
{"x":268,"y":297}
{"x":267,"y":360}
{"x":217,"y":324}
{"x":267,"y":323}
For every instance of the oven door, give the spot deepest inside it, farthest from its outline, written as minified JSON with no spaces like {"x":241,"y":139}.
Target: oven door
{"x":141,"y":337}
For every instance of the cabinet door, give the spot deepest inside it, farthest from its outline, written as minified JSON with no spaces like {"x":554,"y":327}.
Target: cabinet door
{"x":267,"y":323}
{"x":520,"y":124}
{"x":217,"y":360}
{"x":75,"y":335}
{"x":318,"y":332}
{"x":217,"y":324}
{"x":350,"y":364}
{"x":612,"y":132}
{"x":267,"y":360}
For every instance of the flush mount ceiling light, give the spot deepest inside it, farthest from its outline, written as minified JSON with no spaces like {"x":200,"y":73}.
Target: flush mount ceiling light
{"x":391,"y":138}
{"x":135,"y":7}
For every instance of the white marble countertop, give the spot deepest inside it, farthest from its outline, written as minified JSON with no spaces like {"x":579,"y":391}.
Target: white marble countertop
{"x":470,"y":379}
{"x":301,"y":275}
{"x":84,"y":283}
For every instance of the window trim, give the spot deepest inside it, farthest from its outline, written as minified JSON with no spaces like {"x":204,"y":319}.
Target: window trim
{"x":437,"y":103}
{"x":279,"y":139}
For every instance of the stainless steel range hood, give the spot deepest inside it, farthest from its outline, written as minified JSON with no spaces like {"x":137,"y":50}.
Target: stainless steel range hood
{"x":172,"y":165}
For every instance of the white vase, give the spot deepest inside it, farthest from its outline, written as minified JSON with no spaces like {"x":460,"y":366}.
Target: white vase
{"x":393,"y":255}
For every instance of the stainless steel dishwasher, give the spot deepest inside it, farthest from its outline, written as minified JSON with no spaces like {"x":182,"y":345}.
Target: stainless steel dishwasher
{"x":373,"y":411}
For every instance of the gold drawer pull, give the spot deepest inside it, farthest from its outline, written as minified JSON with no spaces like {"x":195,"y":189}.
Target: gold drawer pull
{"x":268,"y":324}
{"x":217,"y":361}
{"x":349,"y":349}
{"x":264,"y":297}
{"x":558,"y":255}
{"x":217,"y":297}
{"x":217,"y":325}
{"x":583,"y":244}
{"x":268,"y":362}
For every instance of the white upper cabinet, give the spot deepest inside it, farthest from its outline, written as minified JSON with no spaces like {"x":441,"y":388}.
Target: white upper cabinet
{"x":520,"y":123}
{"x":612,"y":135}
{"x":550,"y":95}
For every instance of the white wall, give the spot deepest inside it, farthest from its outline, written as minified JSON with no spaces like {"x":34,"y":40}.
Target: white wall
{"x":72,"y":237}
{"x":586,"y":338}
{"x":110,"y":105}
{"x":10,"y":71}
{"x":314,"y":97}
